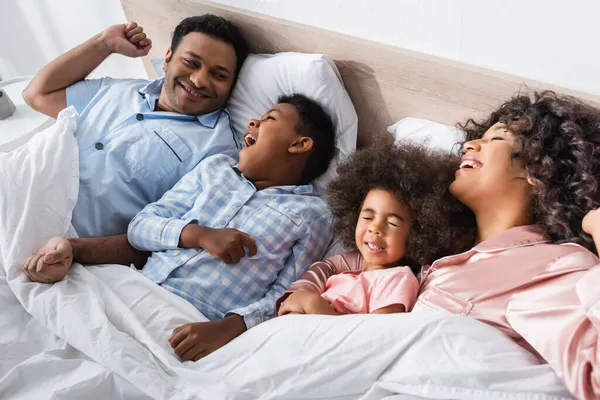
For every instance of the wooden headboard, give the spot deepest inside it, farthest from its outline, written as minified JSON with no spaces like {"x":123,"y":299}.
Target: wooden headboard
{"x":386,"y":83}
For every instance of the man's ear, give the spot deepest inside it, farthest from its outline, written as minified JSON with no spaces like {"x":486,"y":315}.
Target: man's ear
{"x":301,"y":145}
{"x":167,"y":59}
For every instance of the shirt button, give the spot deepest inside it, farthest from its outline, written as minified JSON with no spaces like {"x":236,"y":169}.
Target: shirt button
{"x":99,"y":146}
{"x":140,"y":117}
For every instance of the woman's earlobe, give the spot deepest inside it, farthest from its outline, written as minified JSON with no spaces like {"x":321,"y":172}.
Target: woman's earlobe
{"x":530,"y":180}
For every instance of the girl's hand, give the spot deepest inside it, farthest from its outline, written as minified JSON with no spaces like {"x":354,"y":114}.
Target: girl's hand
{"x":306,"y":303}
{"x":591,"y":223}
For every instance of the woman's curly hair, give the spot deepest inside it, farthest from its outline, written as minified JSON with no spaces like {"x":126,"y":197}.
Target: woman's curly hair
{"x":560,"y":140}
{"x":420,"y":178}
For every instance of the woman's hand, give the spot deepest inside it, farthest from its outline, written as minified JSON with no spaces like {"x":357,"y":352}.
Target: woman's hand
{"x":51,"y":262}
{"x":306,"y":303}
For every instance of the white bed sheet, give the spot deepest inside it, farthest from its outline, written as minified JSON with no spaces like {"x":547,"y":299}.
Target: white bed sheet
{"x":102,"y":333}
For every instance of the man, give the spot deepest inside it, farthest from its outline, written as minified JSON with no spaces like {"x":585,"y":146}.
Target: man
{"x":137,"y":138}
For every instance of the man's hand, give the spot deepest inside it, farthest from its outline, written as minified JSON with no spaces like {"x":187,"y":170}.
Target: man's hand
{"x":51,"y":262}
{"x":126,"y":39}
{"x":306,"y":303}
{"x":195,"y":341}
{"x":228,"y":245}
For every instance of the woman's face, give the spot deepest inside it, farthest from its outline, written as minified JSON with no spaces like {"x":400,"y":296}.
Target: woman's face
{"x":491,"y":170}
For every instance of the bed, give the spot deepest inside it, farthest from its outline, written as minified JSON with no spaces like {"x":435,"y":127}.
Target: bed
{"x":102,"y":333}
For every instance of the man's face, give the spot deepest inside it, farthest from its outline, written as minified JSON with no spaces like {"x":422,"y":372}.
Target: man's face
{"x":198,"y":75}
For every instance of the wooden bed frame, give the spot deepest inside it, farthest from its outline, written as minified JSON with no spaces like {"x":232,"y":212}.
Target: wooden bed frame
{"x":386,"y":83}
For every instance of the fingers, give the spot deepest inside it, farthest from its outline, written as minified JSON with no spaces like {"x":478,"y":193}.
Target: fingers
{"x":177,"y":337}
{"x":29,"y":265}
{"x":191,"y":353}
{"x":249,"y":242}
{"x":33,"y":269}
{"x":137,"y":38}
{"x":200,"y":355}
{"x":130,"y":26}
{"x":183,"y":347}
{"x":284,"y":309}
{"x":236,"y":253}
{"x":225,"y":257}
{"x":56,"y":256}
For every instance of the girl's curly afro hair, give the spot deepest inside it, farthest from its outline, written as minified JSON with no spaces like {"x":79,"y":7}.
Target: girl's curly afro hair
{"x":420,"y":178}
{"x":560,"y":140}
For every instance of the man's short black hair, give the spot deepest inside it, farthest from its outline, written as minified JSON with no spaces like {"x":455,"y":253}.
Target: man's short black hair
{"x":317,"y":124}
{"x":217,"y":27}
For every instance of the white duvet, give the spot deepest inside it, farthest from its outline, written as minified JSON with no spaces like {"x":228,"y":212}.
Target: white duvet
{"x":102,"y":332}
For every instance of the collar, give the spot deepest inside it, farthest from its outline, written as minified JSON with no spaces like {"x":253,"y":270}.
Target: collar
{"x":296,"y":189}
{"x":519,"y":236}
{"x":151,"y":92}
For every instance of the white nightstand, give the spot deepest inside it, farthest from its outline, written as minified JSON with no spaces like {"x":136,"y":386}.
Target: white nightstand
{"x":17,"y":129}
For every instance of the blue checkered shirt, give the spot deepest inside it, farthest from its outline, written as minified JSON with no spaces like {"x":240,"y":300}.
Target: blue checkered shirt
{"x":291,"y":226}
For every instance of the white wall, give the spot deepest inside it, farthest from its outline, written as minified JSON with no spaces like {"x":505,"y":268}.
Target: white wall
{"x":549,"y":40}
{"x":555,"y":41}
{"x":34,"y":32}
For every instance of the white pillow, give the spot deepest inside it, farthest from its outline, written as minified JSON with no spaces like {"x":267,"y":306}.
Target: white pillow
{"x":432,"y":134}
{"x":265,"y":77}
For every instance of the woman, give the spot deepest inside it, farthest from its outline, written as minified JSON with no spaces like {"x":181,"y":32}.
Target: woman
{"x":529,"y":174}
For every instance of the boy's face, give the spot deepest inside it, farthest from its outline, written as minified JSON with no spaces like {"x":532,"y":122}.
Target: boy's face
{"x":270,"y":142}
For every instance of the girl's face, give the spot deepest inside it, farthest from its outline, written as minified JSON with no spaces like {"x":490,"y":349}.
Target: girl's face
{"x":491,"y":170}
{"x":382,"y":229}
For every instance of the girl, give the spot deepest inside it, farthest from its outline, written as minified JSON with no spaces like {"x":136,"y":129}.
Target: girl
{"x":530,"y":174}
{"x":392,"y":206}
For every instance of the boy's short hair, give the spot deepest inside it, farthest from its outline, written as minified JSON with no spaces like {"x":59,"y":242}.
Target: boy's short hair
{"x":419,"y":177}
{"x":217,"y":27}
{"x":317,"y":124}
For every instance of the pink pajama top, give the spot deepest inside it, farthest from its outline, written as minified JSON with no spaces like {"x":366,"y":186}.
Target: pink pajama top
{"x":362,"y":292}
{"x":545,"y":296}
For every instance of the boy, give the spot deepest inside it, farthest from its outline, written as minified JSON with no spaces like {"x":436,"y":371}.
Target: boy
{"x":229,"y":238}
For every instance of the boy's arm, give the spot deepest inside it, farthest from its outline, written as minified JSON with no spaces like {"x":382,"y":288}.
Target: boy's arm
{"x":309,"y":248}
{"x":46,"y":92}
{"x":194,"y":341}
{"x":159,"y":226}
